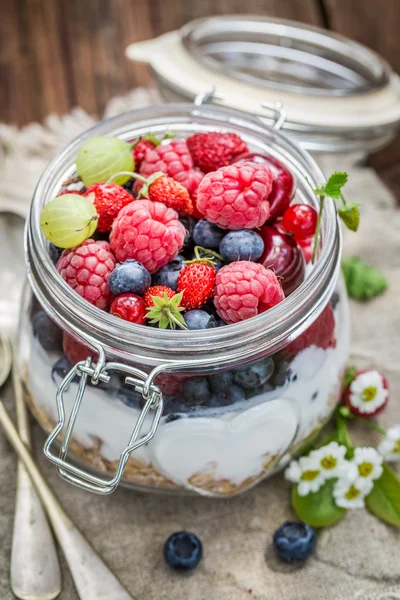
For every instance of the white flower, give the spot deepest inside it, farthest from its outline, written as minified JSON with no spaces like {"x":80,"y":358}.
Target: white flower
{"x":369,"y":464}
{"x":330,"y":458}
{"x":307,"y":473}
{"x":368,"y":392}
{"x":390,"y":445}
{"x":351,"y":494}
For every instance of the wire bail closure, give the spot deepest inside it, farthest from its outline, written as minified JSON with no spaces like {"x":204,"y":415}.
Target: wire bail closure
{"x":280,"y":114}
{"x":141,"y":381}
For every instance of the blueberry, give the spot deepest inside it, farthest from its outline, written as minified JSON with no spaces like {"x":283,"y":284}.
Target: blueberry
{"x":335,"y":300}
{"x":241,"y":245}
{"x":168,"y":275}
{"x":256,"y":374}
{"x":196,"y":390}
{"x":294,"y":541}
{"x":230,"y":396}
{"x":281,"y":374}
{"x":189,"y":224}
{"x":207,"y":234}
{"x":199,"y":319}
{"x":47,"y":332}
{"x":174,"y":404}
{"x":173,"y":417}
{"x":129,"y":276}
{"x":55,"y":253}
{"x":60,"y":368}
{"x":183,"y":550}
{"x":130,"y":397}
{"x":221,"y":323}
{"x":265,"y":388}
{"x":221,"y":382}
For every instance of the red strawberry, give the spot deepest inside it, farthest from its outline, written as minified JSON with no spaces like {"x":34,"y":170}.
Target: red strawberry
{"x":213,"y":150}
{"x":321,"y":334}
{"x":109,"y":198}
{"x":164,"y":307}
{"x":196,"y":281}
{"x":169,"y":192}
{"x":159,"y":291}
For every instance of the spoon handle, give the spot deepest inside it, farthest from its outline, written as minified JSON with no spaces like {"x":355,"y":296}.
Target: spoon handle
{"x":93,"y":579}
{"x":35,"y":570}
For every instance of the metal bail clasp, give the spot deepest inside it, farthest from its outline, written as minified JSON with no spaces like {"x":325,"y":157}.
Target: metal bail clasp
{"x":153,"y":402}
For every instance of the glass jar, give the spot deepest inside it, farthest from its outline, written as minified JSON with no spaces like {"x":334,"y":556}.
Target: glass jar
{"x":208,"y":411}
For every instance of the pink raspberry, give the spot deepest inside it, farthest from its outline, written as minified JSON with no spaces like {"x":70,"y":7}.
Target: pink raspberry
{"x":236,"y":197}
{"x":148,"y":232}
{"x":245,"y":289}
{"x":87,"y":268}
{"x":173,"y":158}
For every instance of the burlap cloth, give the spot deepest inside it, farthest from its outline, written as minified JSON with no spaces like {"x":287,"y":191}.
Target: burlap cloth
{"x":357,"y":559}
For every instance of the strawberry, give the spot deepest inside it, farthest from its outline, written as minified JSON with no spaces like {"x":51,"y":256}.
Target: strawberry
{"x":169,"y":192}
{"x":164,"y":308}
{"x":108,"y":199}
{"x":196,"y":281}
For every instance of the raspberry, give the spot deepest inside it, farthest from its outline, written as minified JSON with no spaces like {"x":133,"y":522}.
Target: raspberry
{"x":75,"y":350}
{"x":213,"y":150}
{"x":235,"y":197}
{"x":195,"y":178}
{"x":173,"y":159}
{"x":196,"y":281}
{"x":172,"y":194}
{"x":321,"y":334}
{"x":109,"y":198}
{"x":245,"y":289}
{"x":148,"y":232}
{"x":87,"y":268}
{"x":140,"y":150}
{"x":159,"y":291}
{"x":129,"y":307}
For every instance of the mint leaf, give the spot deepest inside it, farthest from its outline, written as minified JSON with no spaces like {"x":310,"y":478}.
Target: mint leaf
{"x":319,"y":509}
{"x":384,"y":499}
{"x":362,"y":281}
{"x":349,"y":375}
{"x":333,"y":186}
{"x":350,"y":216}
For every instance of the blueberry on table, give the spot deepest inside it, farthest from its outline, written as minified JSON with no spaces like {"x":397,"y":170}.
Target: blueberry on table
{"x":183,"y":551}
{"x":241,"y":245}
{"x":168,"y":275}
{"x":207,"y":234}
{"x":129,"y":276}
{"x":47,"y":332}
{"x":256,"y":374}
{"x":294,"y":541}
{"x":199,"y":319}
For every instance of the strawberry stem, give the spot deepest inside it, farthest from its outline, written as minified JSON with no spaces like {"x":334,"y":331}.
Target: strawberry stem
{"x":200,"y":249}
{"x":175,"y":320}
{"x":111,"y":179}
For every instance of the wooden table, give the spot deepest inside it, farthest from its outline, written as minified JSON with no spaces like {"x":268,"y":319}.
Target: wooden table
{"x":57,"y":54}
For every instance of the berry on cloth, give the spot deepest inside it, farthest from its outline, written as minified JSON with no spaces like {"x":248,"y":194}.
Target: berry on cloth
{"x":75,"y":350}
{"x":321,"y":334}
{"x":183,"y":551}
{"x":199,"y":319}
{"x":196,"y":281}
{"x":87,"y":269}
{"x":236,"y":197}
{"x":212,"y":150}
{"x":241,"y":245}
{"x":300,"y":220}
{"x":245,"y":289}
{"x":168,"y":274}
{"x":294,"y":542}
{"x":367,"y":394}
{"x":173,"y":159}
{"x":164,"y":308}
{"x":129,"y":276}
{"x":207,"y":234}
{"x":148,"y":232}
{"x":108,"y":199}
{"x":170,"y":192}
{"x":129,"y":307}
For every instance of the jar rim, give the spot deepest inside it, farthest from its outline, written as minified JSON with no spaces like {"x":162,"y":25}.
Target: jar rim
{"x":271,"y":329}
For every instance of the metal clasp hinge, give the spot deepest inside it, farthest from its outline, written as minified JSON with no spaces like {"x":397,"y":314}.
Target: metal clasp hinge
{"x":153,"y":402}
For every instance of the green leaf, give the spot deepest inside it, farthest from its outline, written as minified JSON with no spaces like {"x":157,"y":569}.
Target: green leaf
{"x":319,"y":509}
{"x":333,"y":186}
{"x":362,"y":281}
{"x":384,"y":499}
{"x":349,"y":375}
{"x":350,"y":216}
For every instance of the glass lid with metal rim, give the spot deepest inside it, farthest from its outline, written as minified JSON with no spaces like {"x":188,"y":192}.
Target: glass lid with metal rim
{"x":338,"y":95}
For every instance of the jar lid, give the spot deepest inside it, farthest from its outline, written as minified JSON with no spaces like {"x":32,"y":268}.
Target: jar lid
{"x":338,"y":94}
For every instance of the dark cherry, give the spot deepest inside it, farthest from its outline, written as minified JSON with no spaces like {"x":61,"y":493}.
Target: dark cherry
{"x":283,"y":187}
{"x":282,"y":253}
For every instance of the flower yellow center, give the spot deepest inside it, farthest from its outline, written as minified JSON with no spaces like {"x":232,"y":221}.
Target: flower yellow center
{"x":328,"y":462}
{"x":309,"y":475}
{"x":365,"y":469}
{"x":369,"y":393}
{"x":352,"y":493}
{"x":396,"y":448}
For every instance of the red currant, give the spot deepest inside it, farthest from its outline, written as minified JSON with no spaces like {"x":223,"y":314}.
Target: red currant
{"x":301,"y":220}
{"x":306,"y":245}
{"x":129,"y":307}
